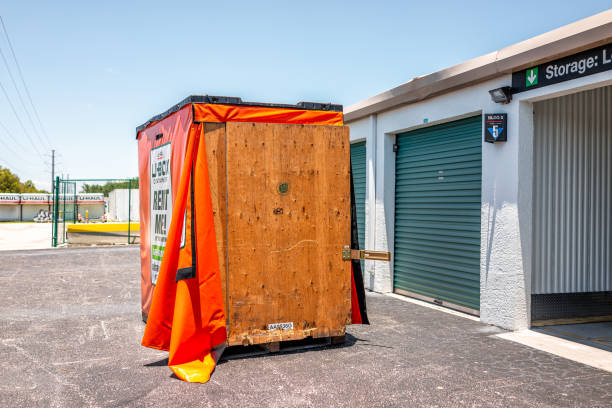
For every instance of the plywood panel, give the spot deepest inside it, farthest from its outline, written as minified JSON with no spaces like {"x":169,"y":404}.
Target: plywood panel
{"x":284,"y":248}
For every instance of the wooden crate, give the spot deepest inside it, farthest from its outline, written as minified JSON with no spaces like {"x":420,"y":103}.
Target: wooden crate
{"x":281,"y":199}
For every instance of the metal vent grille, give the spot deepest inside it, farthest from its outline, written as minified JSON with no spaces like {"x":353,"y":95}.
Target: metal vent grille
{"x":570,"y":305}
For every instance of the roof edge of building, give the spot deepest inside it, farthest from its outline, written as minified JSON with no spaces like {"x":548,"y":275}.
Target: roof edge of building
{"x":581,"y":35}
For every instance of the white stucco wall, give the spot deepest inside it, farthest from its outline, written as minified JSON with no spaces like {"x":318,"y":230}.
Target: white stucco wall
{"x":31,"y":210}
{"x":9,"y":212}
{"x":507,"y":173}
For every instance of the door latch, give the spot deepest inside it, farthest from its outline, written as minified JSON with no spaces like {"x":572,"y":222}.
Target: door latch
{"x":350,"y":254}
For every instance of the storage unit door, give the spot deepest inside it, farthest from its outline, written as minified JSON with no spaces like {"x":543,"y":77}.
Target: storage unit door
{"x":437,"y":213}
{"x":572,"y":273}
{"x":358,"y":164}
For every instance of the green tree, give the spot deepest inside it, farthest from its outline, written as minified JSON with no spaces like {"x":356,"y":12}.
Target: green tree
{"x":10,"y":183}
{"x":108,"y":187}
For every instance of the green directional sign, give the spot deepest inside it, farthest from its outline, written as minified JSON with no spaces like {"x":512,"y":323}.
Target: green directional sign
{"x":531,"y":77}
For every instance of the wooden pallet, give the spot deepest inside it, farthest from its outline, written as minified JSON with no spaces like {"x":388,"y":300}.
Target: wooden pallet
{"x":236,"y":352}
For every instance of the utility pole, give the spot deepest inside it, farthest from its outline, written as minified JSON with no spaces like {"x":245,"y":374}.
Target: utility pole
{"x":52,"y":170}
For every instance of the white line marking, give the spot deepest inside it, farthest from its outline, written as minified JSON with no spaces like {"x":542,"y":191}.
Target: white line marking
{"x":435,"y":307}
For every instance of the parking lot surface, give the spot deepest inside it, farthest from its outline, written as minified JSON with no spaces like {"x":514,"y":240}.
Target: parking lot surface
{"x":70,"y":331}
{"x":25,"y":235}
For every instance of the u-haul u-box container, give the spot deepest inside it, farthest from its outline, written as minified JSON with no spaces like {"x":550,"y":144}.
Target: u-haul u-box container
{"x":280,"y":190}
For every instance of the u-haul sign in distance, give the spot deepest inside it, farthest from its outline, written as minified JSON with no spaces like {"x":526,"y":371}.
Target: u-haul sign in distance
{"x":9,"y":198}
{"x":90,"y":198}
{"x":571,"y":67}
{"x":67,"y":198}
{"x":33,"y":198}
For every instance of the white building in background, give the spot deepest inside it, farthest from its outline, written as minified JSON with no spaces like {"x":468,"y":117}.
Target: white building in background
{"x":10,"y":210}
{"x":25,"y":207}
{"x":517,"y":230}
{"x":33,"y":203}
{"x":91,"y":205}
{"x":121,"y":205}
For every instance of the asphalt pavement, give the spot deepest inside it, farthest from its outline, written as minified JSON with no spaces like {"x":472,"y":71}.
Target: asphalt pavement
{"x":70,"y":331}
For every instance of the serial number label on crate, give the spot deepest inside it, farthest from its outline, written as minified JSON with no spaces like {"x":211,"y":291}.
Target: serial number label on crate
{"x":280,"y":326}
{"x":161,"y":205}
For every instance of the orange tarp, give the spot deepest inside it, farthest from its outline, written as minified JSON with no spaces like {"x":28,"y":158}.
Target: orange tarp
{"x":229,"y":113}
{"x":187,"y":316}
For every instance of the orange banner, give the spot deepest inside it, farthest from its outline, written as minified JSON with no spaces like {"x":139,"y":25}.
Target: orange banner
{"x":186,"y":316}
{"x":231,"y":113}
{"x":168,"y":134}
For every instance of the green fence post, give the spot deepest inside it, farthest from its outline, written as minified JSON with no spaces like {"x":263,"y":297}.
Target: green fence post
{"x":55,"y":213}
{"x":75,"y":206}
{"x":64,"y":214}
{"x":129,"y":208}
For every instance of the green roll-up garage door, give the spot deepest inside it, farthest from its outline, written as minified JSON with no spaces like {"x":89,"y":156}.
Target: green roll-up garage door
{"x":437,"y":212}
{"x":358,"y":163}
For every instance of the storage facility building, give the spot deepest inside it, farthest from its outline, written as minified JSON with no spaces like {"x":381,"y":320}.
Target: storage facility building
{"x":10,"y":209}
{"x":124,"y":205}
{"x":25,"y":207}
{"x":91,"y":206}
{"x":518,"y":230}
{"x":33,"y":203}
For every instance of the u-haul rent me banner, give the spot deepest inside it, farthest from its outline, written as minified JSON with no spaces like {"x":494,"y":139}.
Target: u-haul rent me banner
{"x":161,"y":205}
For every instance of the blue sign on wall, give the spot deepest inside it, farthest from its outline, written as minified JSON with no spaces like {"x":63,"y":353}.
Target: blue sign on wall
{"x":496,"y":127}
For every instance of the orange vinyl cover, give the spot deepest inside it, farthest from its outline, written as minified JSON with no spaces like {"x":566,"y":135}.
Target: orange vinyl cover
{"x":174,"y":130}
{"x":231,"y":113}
{"x":186,"y":316}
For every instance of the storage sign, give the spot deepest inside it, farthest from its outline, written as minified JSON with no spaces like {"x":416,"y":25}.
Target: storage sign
{"x":570,"y":67}
{"x":161,"y":204}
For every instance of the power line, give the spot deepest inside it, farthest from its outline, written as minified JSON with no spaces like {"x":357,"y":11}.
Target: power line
{"x":19,"y":119}
{"x":11,"y":136}
{"x":25,"y":86}
{"x":11,"y":167}
{"x":8,"y":69}
{"x":15,"y":149}
{"x":18,"y":156}
{"x":53,"y":170}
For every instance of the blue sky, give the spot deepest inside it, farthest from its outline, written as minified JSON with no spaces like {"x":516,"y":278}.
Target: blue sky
{"x":97,"y":70}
